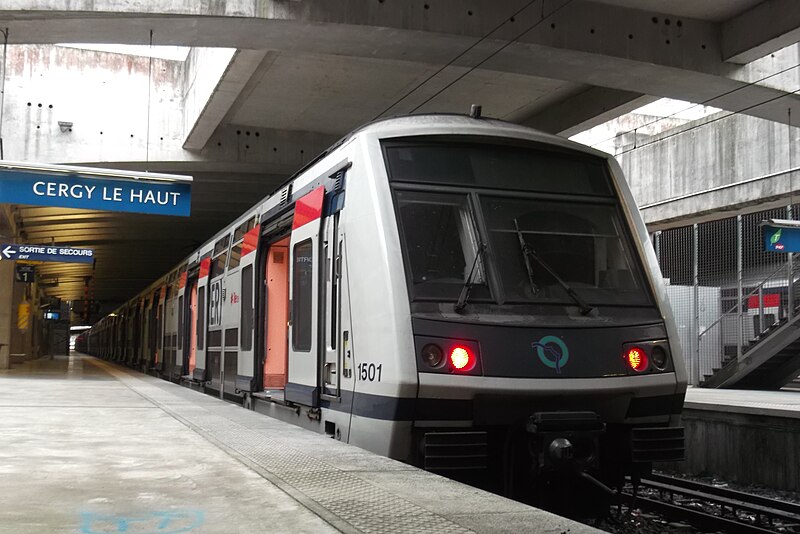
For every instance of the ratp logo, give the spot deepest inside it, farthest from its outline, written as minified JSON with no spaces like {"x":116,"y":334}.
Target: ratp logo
{"x":775,"y":238}
{"x":552,"y":351}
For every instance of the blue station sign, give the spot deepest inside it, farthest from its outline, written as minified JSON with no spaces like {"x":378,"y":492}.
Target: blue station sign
{"x":781,"y":235}
{"x":46,"y":253}
{"x":95,"y":189}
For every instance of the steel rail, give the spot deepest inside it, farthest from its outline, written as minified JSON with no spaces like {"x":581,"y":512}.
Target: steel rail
{"x":728,"y":506}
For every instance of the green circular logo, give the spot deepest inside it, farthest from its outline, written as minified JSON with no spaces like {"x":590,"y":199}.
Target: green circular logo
{"x":552,"y":351}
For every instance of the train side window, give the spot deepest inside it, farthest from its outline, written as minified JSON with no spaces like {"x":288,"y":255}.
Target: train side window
{"x":236,"y":256}
{"x":246,"y":326}
{"x":201,"y":318}
{"x":302,"y":302}
{"x":220,"y":256}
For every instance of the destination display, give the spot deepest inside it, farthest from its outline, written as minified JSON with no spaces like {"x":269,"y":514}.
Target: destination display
{"x":46,"y":253}
{"x":62,"y":188}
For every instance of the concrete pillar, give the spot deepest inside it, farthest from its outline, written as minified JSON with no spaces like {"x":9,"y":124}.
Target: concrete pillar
{"x":7,"y":311}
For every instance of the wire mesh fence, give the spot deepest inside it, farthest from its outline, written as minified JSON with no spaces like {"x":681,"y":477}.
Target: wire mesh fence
{"x":725,"y":290}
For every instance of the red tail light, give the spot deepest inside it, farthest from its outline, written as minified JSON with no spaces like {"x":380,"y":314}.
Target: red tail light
{"x":636,"y":358}
{"x":461,"y":358}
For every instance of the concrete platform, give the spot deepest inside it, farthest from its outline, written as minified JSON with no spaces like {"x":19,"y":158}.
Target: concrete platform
{"x":770,"y":403}
{"x":87,"y":447}
{"x":750,"y":437}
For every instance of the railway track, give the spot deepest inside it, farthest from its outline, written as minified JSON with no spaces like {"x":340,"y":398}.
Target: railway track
{"x":712,"y":508}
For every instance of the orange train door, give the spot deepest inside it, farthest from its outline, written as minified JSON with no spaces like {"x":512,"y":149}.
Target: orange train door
{"x":277,"y":316}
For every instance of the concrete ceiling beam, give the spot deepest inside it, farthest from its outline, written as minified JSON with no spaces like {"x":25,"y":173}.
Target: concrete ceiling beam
{"x":214,"y":89}
{"x":583,"y":42}
{"x":762,"y":30}
{"x":585,"y":110}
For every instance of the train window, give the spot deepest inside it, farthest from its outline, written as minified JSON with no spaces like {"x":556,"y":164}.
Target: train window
{"x":236,"y":256}
{"x":201,"y":318}
{"x":583,"y":244}
{"x":302,"y":281}
{"x":246,"y":326}
{"x":495,"y":166}
{"x":243,"y":228}
{"x":218,"y":265}
{"x":441,"y":244}
{"x":221,"y":245}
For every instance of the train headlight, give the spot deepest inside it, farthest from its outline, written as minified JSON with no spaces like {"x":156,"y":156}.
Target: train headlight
{"x":636,"y":358}
{"x":448,"y":355}
{"x":659,"y":358}
{"x":462,"y":359}
{"x":432,"y":354}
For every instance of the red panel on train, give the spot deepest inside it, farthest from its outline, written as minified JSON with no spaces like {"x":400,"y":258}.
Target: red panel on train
{"x":308,"y":208}
{"x":250,"y":241}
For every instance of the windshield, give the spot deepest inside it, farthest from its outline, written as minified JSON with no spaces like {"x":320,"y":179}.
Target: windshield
{"x":580,"y":237}
{"x":581,"y":242}
{"x":441,"y":243}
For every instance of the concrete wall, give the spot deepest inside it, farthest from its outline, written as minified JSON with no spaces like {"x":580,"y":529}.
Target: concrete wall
{"x":742,"y":448}
{"x":731,"y":151}
{"x":725,"y":162}
{"x":103,"y":95}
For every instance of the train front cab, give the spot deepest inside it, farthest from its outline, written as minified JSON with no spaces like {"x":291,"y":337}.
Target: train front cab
{"x":542,"y":336}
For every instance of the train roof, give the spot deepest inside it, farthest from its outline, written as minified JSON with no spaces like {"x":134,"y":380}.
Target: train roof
{"x":444,"y":123}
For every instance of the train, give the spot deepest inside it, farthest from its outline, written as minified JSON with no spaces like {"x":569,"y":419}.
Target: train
{"x":467,"y":295}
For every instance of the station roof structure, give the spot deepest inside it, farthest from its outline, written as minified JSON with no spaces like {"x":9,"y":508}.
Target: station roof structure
{"x":265,"y":86}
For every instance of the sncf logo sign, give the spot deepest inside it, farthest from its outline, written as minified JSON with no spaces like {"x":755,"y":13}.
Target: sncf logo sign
{"x":235,"y":298}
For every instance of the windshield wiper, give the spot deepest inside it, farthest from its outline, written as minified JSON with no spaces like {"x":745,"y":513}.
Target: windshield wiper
{"x":528,"y":252}
{"x":462,"y":298}
{"x":523,"y":246}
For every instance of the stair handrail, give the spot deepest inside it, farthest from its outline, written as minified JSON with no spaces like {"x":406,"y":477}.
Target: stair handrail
{"x":757,"y":288}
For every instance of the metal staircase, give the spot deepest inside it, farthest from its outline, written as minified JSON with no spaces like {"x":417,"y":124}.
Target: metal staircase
{"x":771,"y":359}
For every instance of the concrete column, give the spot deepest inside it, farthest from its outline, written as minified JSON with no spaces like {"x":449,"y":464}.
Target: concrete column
{"x":6,"y":311}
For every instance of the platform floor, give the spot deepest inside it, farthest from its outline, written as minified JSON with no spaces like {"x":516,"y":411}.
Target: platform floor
{"x":784,"y":403}
{"x":88,"y":447}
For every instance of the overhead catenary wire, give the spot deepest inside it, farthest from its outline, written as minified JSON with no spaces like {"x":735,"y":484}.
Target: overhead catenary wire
{"x":710,"y":121}
{"x":504,"y":21}
{"x":493,"y":54}
{"x":698,"y":104}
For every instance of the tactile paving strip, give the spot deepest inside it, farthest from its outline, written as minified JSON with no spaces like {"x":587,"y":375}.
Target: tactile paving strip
{"x":367,"y":508}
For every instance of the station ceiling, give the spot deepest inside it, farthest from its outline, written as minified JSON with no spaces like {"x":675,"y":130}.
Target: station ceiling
{"x":307,"y":72}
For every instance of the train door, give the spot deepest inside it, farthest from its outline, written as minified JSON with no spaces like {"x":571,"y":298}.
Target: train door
{"x":161,"y":328}
{"x":245,"y":365}
{"x":216,"y":298}
{"x":137,"y":335}
{"x":147,"y":341}
{"x":276,"y":307}
{"x":179,"y":368}
{"x":192,"y":311}
{"x":199,"y":371}
{"x":170,"y":336}
{"x":331,"y":255}
{"x":231,"y":308}
{"x":303,"y":384}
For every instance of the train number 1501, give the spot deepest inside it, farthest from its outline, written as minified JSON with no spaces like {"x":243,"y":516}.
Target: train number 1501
{"x":370,"y":372}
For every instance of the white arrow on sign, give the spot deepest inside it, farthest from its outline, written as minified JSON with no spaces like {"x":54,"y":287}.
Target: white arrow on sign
{"x":8,"y":252}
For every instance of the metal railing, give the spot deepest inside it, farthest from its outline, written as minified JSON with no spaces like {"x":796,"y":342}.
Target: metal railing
{"x":726,"y":291}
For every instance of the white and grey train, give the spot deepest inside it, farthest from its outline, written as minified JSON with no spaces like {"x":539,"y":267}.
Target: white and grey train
{"x":463,"y":294}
